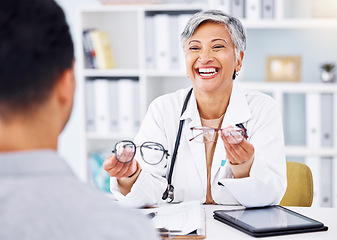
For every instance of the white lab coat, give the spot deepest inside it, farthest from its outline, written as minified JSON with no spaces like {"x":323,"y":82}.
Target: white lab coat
{"x":258,"y":113}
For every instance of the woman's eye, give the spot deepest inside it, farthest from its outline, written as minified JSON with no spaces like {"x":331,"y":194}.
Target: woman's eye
{"x":218,"y":46}
{"x":194,"y":48}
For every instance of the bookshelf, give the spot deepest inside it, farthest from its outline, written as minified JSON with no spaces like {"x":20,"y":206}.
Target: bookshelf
{"x":127,"y":24}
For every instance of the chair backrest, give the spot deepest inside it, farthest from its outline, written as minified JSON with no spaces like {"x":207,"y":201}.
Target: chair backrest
{"x":300,"y":186}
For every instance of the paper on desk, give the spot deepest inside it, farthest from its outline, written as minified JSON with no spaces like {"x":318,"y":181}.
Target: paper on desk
{"x":186,"y":217}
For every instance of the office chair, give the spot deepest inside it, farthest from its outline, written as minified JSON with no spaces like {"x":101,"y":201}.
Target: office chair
{"x":300,"y":186}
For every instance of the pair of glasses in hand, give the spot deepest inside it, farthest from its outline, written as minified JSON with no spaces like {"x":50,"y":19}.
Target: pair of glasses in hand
{"x":234,"y":135}
{"x":151,"y":152}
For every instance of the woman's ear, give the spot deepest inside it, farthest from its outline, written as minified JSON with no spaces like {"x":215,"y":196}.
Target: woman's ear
{"x":239,"y":61}
{"x":238,"y":66}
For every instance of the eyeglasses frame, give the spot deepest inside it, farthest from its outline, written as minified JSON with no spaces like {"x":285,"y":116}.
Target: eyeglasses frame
{"x":165,"y":152}
{"x":241,"y":130}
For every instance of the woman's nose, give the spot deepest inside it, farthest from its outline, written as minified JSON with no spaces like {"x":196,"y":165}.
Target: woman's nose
{"x":205,"y":57}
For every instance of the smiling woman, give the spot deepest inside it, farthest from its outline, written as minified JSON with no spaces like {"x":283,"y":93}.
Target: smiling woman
{"x":237,"y":157}
{"x":211,"y":62}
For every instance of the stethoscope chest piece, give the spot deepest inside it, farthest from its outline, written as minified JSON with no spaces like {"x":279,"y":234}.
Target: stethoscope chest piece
{"x":169,"y":194}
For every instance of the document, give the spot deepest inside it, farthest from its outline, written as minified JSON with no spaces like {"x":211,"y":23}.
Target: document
{"x":183,"y":220}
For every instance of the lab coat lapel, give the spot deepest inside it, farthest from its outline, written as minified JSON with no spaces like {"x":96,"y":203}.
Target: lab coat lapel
{"x":192,"y":119}
{"x":238,"y":109}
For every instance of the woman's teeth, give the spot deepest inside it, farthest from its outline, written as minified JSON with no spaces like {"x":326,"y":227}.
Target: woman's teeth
{"x":207,"y":71}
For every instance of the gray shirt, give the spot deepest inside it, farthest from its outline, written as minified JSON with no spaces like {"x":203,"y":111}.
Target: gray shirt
{"x":40,"y":198}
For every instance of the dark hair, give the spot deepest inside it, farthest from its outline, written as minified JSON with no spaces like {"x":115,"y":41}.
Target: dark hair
{"x":35,"y":49}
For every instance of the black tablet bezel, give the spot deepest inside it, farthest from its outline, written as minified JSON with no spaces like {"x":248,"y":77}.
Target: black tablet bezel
{"x":221,"y":215}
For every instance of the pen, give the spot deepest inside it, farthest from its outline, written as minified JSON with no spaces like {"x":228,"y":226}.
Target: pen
{"x":151,"y":214}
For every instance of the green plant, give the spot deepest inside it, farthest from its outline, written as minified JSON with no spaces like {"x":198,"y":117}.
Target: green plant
{"x":329,"y":67}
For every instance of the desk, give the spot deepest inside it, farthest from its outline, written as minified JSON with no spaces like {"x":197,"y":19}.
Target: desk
{"x":216,"y":230}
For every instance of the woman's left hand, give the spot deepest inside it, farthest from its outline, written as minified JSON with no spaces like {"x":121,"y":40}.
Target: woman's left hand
{"x":238,"y":149}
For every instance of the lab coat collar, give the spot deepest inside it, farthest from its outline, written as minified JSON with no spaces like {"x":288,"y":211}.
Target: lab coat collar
{"x":237,"y":110}
{"x":191,"y":111}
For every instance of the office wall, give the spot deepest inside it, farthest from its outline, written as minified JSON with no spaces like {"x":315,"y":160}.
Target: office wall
{"x":315,"y":46}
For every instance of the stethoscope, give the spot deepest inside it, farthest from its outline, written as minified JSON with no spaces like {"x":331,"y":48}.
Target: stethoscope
{"x":169,"y":192}
{"x":168,"y":195}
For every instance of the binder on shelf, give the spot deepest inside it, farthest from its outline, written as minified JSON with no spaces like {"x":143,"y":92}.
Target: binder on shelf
{"x":149,"y":42}
{"x":326,"y":141}
{"x":89,"y":53}
{"x":327,"y":119}
{"x":313,"y":134}
{"x":162,"y":41}
{"x":113,"y":96}
{"x":174,"y":42}
{"x":90,"y":106}
{"x":313,"y":110}
{"x":326,"y":182}
{"x":101,"y":87}
{"x":103,"y":51}
{"x":253,"y":9}
{"x":238,"y":8}
{"x":136,"y":106}
{"x":126,"y":105}
{"x":225,"y":5}
{"x":268,"y":8}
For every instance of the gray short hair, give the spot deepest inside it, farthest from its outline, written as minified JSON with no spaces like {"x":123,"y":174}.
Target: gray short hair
{"x":233,"y":25}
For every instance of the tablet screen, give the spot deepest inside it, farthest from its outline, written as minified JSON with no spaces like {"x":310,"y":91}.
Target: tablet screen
{"x":267,"y":219}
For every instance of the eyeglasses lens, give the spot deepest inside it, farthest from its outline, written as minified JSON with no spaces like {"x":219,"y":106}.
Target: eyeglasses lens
{"x":233,"y":135}
{"x":203,"y":135}
{"x":152,"y":153}
{"x":125,"y":151}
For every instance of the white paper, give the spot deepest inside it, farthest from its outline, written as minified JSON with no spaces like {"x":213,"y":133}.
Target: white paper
{"x":186,"y":217}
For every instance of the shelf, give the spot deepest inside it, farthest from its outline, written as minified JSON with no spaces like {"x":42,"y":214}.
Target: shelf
{"x":109,"y":136}
{"x":298,"y":87}
{"x":306,"y":23}
{"x":111,"y":73}
{"x":144,"y":7}
{"x":310,"y":152}
{"x":165,"y":73}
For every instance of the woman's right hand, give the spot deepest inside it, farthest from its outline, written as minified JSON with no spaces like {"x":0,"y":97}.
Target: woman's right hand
{"x":117,"y":169}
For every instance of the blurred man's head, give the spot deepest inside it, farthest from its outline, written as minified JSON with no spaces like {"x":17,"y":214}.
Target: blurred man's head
{"x":35,"y":50}
{"x":36,"y":61}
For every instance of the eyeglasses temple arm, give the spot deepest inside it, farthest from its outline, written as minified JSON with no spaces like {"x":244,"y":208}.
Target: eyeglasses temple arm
{"x":196,"y":136}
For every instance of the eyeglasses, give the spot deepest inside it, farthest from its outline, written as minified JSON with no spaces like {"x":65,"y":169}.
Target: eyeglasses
{"x":151,"y":152}
{"x":234,"y":135}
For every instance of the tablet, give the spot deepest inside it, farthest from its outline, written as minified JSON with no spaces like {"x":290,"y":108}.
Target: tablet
{"x":268,"y":221}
